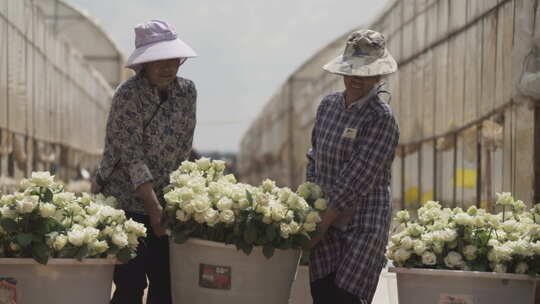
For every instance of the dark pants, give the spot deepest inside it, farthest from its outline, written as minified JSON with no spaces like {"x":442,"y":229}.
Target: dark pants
{"x":325,"y":291}
{"x":152,"y":261}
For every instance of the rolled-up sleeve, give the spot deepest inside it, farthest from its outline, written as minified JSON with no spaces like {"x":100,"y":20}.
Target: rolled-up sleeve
{"x":375,"y":150}
{"x":125,"y":134}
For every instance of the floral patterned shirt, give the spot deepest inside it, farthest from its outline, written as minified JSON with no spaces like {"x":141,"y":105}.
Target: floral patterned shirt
{"x":146,"y":138}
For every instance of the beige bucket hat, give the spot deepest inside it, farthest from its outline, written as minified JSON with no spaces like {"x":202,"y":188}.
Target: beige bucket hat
{"x":365,"y":55}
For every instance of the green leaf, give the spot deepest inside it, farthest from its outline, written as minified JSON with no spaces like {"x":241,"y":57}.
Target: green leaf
{"x":302,"y":240}
{"x":40,"y":253}
{"x":180,"y":237}
{"x":24,"y":239}
{"x":46,"y":195}
{"x":9,"y":225}
{"x":126,"y":254}
{"x":250,"y":234}
{"x":82,"y":252}
{"x":249,"y":197}
{"x":268,"y":251}
{"x":271,"y":232}
{"x":247,"y":249}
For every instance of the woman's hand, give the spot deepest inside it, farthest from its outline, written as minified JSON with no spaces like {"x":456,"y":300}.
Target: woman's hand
{"x":153,"y":208}
{"x":328,"y":218}
{"x":157,"y":221}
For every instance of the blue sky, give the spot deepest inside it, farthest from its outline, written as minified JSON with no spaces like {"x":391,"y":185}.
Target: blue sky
{"x":247,"y":49}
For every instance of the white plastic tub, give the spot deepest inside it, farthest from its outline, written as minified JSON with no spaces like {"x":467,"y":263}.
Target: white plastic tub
{"x":204,"y":272}
{"x":61,"y":281}
{"x":428,"y":286}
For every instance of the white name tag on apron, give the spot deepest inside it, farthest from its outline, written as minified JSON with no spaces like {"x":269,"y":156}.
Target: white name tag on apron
{"x":350,"y":133}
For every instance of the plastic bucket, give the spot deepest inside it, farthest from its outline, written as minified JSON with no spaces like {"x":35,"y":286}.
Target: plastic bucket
{"x":205,"y":272}
{"x":423,"y":286}
{"x":61,"y":281}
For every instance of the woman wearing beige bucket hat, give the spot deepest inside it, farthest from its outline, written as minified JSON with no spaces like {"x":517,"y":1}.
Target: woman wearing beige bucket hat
{"x":149,"y":133}
{"x":353,"y":146}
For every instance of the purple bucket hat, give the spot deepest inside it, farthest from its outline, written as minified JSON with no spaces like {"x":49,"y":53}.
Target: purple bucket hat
{"x":157,"y":40}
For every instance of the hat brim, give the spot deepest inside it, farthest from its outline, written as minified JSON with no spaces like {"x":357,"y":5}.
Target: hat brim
{"x":160,"y":50}
{"x":353,"y":66}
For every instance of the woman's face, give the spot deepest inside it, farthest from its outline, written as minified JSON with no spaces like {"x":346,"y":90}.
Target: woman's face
{"x":362,"y":84}
{"x":160,"y":73}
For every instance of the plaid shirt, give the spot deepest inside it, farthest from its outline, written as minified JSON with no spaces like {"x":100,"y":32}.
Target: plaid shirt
{"x":141,"y":146}
{"x":351,"y":157}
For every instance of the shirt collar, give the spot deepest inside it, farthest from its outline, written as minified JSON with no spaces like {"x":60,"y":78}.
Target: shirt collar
{"x":359,"y":103}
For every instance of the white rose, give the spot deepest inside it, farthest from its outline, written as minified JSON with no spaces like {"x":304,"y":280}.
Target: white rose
{"x":522,"y":268}
{"x":224,"y":204}
{"x":320,"y":204}
{"x":201,"y":204}
{"x":62,"y":198}
{"x":289,"y":216}
{"x":182,"y":216}
{"x":504,"y":199}
{"x":279,"y":212}
{"x":470,"y":252}
{"x":226,"y":216}
{"x":292,"y":200}
{"x":403,"y":216}
{"x":203,"y":163}
{"x":419,"y":247}
{"x":188,"y":166}
{"x":415,"y":230}
{"x":27,"y":205}
{"x":268,"y":185}
{"x":120,"y":239}
{"x":243,"y":204}
{"x":229,"y":178}
{"x":77,"y":237}
{"x":304,"y":190}
{"x":133,"y":240}
{"x":47,"y":210}
{"x":99,"y":246}
{"x":313,"y":217}
{"x":42,"y":179}
{"x":295,"y":227}
{"x":14,"y":246}
{"x":401,"y":255}
{"x":219,"y":165}
{"x":500,"y":268}
{"x":211,"y":217}
{"x":267,"y":219}
{"x":59,"y":242}
{"x":316,"y":191}
{"x":406,"y":243}
{"x":285,"y":230}
{"x":309,"y":227}
{"x":429,"y":258}
{"x":284,"y":194}
{"x":199,"y":218}
{"x":6,"y":212}
{"x":132,"y":226}
{"x":463,"y":219}
{"x":454,"y":260}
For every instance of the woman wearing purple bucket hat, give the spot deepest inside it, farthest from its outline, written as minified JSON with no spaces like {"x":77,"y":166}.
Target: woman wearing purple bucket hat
{"x":353,"y":146}
{"x":149,"y":133}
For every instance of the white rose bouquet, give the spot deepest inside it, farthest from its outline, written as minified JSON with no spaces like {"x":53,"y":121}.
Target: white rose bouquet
{"x":43,"y":221}
{"x":476,"y":240}
{"x":204,"y":203}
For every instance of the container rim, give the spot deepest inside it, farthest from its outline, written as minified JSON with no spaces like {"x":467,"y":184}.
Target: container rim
{"x":462,"y":273}
{"x":54,"y":261}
